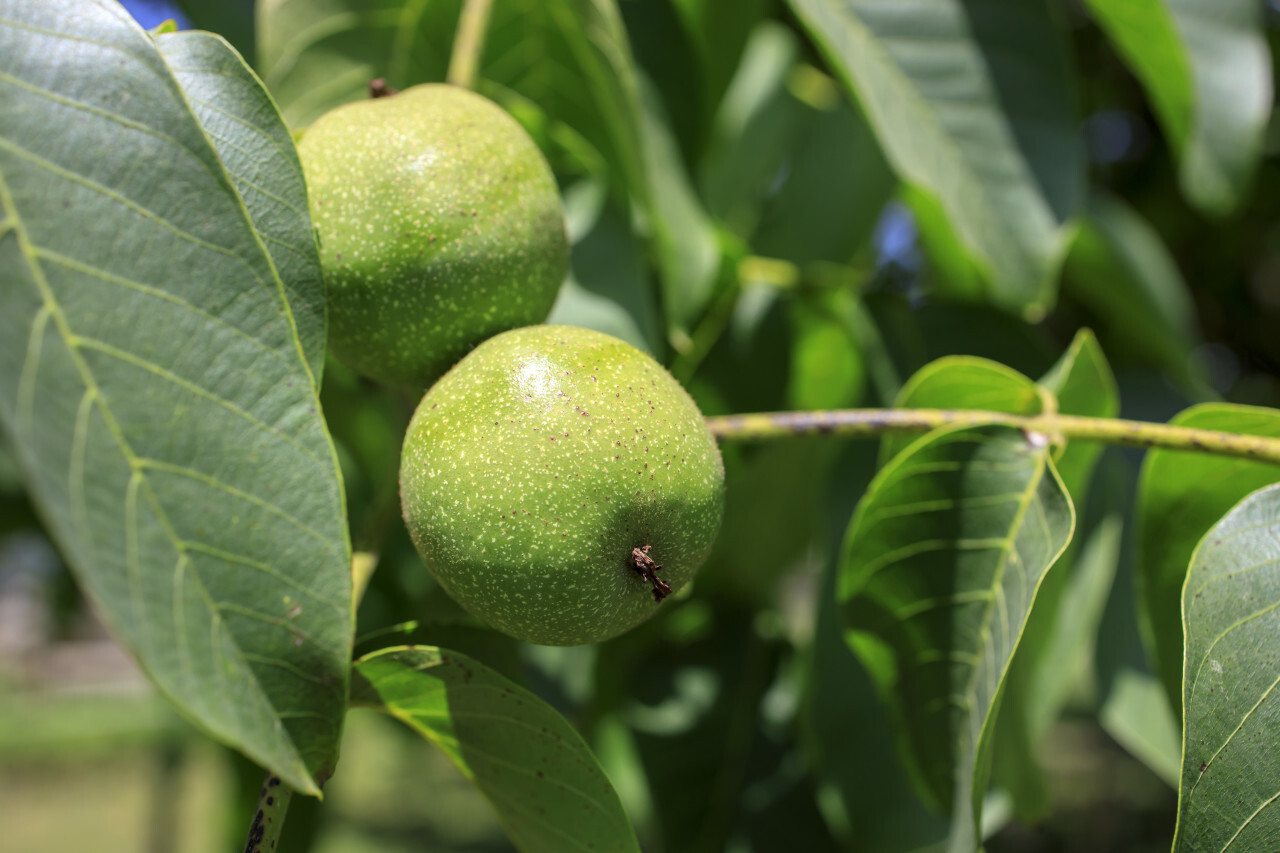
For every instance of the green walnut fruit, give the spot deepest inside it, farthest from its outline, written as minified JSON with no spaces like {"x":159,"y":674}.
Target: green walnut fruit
{"x":439,"y":225}
{"x":559,"y":483}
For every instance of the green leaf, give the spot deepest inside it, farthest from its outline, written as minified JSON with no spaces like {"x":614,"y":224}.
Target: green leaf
{"x":972,"y":106}
{"x":827,"y":369}
{"x":964,"y":382}
{"x":1136,"y":713}
{"x":608,"y":288}
{"x":1207,"y":71}
{"x":231,"y":19}
{"x":941,"y":565}
{"x":1181,"y":496}
{"x":317,"y":54}
{"x":687,"y":247}
{"x":156,"y":393}
{"x":1039,"y":677}
{"x":1119,"y":268}
{"x":1231,"y":610}
{"x":533,"y":767}
{"x":258,"y":154}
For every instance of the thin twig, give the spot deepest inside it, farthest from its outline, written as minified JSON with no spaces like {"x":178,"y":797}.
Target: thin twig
{"x":872,"y":422}
{"x":468,"y":43}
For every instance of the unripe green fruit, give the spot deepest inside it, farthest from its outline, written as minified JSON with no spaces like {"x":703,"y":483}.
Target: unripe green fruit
{"x":439,"y":225}
{"x":536,"y":473}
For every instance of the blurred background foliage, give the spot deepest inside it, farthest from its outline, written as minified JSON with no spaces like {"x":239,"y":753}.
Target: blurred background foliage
{"x":747,"y":226}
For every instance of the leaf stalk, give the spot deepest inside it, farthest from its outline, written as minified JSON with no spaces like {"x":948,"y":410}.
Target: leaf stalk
{"x":468,"y":43}
{"x":867,"y":423}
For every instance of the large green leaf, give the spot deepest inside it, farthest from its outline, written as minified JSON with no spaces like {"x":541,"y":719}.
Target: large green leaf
{"x":546,"y":786}
{"x":258,"y":154}
{"x":964,"y":382}
{"x":1207,"y":71}
{"x":1231,"y":611}
{"x":972,"y":105}
{"x":155,"y":390}
{"x":941,"y":565}
{"x":1181,"y":496}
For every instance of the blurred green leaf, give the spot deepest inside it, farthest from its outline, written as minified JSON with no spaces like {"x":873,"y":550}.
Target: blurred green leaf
{"x":540,"y":776}
{"x":1207,"y":71}
{"x":755,"y":127}
{"x":827,"y":370}
{"x":941,"y":565}
{"x":834,"y":186}
{"x":971,"y":103}
{"x":1231,"y":609}
{"x":720,"y":30}
{"x":1136,"y":713}
{"x":317,"y":54}
{"x":963,"y":382}
{"x":232,"y":106}
{"x":687,"y":246}
{"x":609,"y":288}
{"x":153,"y":384}
{"x":1119,"y":269}
{"x":1083,"y":384}
{"x":231,"y":19}
{"x":1181,"y":496}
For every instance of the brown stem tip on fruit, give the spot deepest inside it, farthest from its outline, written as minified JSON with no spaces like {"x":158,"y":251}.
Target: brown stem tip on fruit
{"x":648,"y":569}
{"x":378,"y":88}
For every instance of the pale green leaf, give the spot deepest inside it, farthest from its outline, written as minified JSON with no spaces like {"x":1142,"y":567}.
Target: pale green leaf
{"x":1207,"y":71}
{"x":257,"y":152}
{"x":1231,"y":612}
{"x":540,"y":776}
{"x":941,"y":565}
{"x":1182,"y":494}
{"x":972,"y":106}
{"x":155,"y":391}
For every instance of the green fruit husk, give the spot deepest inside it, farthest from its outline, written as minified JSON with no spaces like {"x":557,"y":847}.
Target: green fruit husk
{"x":535,"y":466}
{"x":439,"y":225}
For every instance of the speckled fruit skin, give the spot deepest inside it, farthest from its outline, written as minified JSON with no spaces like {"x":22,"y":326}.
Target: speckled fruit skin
{"x":439,"y":224}
{"x":533,"y":468}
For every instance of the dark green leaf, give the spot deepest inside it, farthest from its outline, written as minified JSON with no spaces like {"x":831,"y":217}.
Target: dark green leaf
{"x":1181,"y":496}
{"x":941,"y":565}
{"x":231,"y":19}
{"x":971,"y":104}
{"x":546,"y":786}
{"x":155,"y":390}
{"x":257,"y":152}
{"x":1119,"y":269}
{"x":1231,"y":609}
{"x":1207,"y":71}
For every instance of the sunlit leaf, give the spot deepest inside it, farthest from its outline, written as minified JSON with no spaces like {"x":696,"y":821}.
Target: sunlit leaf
{"x":1231,"y":610}
{"x":154,"y":386}
{"x":1207,"y":71}
{"x":971,"y":104}
{"x":232,"y":106}
{"x":941,"y":565}
{"x":1182,"y":495}
{"x":964,"y":382}
{"x":534,"y":768}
